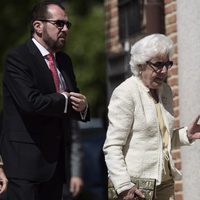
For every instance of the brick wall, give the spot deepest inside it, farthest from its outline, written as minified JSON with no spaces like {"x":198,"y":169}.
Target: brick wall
{"x":111,"y":20}
{"x":171,"y":31}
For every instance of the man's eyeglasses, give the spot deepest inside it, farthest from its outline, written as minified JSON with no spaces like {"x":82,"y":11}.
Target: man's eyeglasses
{"x":58,"y":23}
{"x":159,"y":65}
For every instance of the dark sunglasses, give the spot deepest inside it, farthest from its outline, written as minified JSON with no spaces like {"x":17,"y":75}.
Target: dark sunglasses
{"x":58,"y":23}
{"x":159,"y":65}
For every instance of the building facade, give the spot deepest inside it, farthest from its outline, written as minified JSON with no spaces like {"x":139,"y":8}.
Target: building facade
{"x":128,"y":20}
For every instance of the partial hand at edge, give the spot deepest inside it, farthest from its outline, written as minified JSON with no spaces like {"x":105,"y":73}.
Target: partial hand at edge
{"x":3,"y":181}
{"x":193,"y":131}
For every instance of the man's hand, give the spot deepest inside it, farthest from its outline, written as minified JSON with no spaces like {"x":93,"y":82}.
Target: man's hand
{"x":193,"y":131}
{"x":130,"y":194}
{"x":76,"y":185}
{"x":79,"y":101}
{"x":3,"y":181}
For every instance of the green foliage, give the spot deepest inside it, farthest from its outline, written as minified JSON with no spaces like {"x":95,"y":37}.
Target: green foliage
{"x":86,"y":47}
{"x":14,"y":23}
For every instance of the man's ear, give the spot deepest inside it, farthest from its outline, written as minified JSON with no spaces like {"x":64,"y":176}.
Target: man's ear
{"x":38,"y":27}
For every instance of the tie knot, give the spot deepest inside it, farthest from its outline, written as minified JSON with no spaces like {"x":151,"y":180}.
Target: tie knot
{"x":50,"y":57}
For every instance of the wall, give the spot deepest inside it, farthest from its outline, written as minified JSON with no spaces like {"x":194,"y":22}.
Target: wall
{"x":188,"y":25}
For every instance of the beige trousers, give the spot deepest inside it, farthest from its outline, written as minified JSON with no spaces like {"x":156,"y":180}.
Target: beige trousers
{"x":165,"y":191}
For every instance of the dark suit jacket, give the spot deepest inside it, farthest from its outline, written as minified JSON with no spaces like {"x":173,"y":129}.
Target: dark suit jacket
{"x":35,"y":128}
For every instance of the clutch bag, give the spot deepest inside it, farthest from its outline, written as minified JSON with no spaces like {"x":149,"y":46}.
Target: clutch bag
{"x":146,"y":185}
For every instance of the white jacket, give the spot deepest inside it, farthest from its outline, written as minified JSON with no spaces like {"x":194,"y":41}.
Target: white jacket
{"x":133,"y":145}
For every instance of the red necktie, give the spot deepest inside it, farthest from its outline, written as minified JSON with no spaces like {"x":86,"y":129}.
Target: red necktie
{"x":54,"y":72}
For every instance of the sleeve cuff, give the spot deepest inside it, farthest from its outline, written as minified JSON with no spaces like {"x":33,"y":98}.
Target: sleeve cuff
{"x":183,"y":136}
{"x":66,"y":102}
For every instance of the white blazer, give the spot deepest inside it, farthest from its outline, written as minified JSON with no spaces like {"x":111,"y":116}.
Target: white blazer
{"x":133,"y":145}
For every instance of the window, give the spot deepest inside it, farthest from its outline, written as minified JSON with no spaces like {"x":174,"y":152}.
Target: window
{"x":130,"y":18}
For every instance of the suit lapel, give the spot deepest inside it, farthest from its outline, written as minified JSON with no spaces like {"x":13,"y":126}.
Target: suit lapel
{"x":40,"y":65}
{"x":43,"y":70}
{"x":63,"y":70}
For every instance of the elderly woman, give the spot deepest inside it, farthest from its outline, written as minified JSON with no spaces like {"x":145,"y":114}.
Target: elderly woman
{"x":140,"y":135}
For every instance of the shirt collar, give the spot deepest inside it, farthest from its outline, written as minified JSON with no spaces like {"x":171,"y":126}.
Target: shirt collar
{"x":42,"y":49}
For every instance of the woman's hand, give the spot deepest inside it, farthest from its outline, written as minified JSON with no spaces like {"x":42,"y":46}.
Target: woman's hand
{"x":193,"y":131}
{"x":130,"y":194}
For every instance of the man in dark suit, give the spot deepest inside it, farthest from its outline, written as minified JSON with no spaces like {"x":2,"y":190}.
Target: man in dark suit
{"x":40,"y":96}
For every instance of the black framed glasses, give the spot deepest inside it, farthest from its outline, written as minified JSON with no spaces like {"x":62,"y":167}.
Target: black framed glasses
{"x":58,"y":23}
{"x":159,"y":65}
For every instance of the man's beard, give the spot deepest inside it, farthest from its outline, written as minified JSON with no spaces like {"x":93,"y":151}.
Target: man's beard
{"x":52,"y":44}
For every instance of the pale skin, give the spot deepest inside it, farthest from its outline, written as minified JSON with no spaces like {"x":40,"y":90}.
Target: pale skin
{"x":76,"y":185}
{"x":153,"y":80}
{"x":3,"y":181}
{"x":53,"y":39}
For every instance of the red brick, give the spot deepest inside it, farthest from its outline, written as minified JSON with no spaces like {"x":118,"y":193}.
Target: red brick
{"x":112,"y":33}
{"x":175,"y":92}
{"x":178,"y":186}
{"x":176,"y":103}
{"x":174,"y":38}
{"x":173,"y":81}
{"x":179,"y":196}
{"x":171,"y":29}
{"x":176,"y":123}
{"x":173,"y":71}
{"x":176,"y":112}
{"x":169,"y":8}
{"x":168,"y":1}
{"x":176,"y":154}
{"x":178,"y":165}
{"x":114,"y":13}
{"x":170,"y":19}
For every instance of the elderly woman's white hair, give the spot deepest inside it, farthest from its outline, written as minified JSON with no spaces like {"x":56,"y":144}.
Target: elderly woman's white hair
{"x":147,"y":48}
